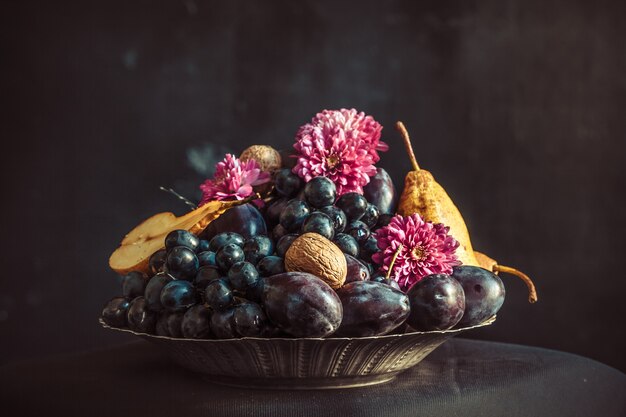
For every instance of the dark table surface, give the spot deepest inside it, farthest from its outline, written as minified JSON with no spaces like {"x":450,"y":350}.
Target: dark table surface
{"x":461,"y":378}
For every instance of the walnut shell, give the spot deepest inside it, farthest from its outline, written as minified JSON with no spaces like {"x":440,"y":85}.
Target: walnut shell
{"x":267,"y":157}
{"x":315,"y":254}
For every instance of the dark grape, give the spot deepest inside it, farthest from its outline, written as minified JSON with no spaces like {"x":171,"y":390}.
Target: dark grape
{"x":223,"y":324}
{"x":347,"y":244}
{"x":206,"y":258}
{"x":338,"y":217}
{"x":271,"y":265}
{"x":370,"y":217}
{"x":134,"y":284}
{"x":196,"y":323}
{"x":225,"y":238}
{"x":182,"y":262}
{"x":358,"y":230}
{"x":294,"y":214}
{"x":357,"y":271}
{"x":169,"y":324}
{"x":205,"y":275}
{"x":278,"y":232}
{"x":157,"y":261}
{"x":250,"y":320}
{"x":383,"y":220}
{"x":178,"y":295}
{"x":319,"y":223}
{"x":218,"y":294}
{"x":284,"y":243}
{"x":181,"y":238}
{"x":368,"y":248}
{"x":229,"y":255}
{"x":154,"y":288}
{"x":353,"y":204}
{"x":381,"y":192}
{"x":320,"y":192}
{"x":484,"y":293}
{"x":257,"y":248}
{"x":273,"y":211}
{"x":243,"y":275}
{"x":245,"y":220}
{"x":115,"y":312}
{"x":437,"y":303}
{"x":140,"y":318}
{"x":203,"y":246}
{"x":286,"y":183}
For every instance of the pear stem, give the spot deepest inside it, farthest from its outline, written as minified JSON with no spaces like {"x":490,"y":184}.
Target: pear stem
{"x":532,"y":292}
{"x":180,"y":197}
{"x":393,"y":261}
{"x":407,"y":144}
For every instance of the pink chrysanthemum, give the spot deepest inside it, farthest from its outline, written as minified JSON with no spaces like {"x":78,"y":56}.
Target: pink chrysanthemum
{"x":427,"y":248}
{"x":342,"y":145}
{"x":233,"y":180}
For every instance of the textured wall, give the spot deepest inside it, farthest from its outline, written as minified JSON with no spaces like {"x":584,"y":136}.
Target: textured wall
{"x":517,"y":107}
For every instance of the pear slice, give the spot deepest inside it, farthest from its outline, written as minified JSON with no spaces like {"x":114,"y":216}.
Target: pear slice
{"x":148,"y":237}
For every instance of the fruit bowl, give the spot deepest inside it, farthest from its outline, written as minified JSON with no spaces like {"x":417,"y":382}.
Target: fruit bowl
{"x":302,"y":363}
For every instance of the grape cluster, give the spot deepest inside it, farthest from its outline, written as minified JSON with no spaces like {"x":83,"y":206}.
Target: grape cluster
{"x":210,"y":286}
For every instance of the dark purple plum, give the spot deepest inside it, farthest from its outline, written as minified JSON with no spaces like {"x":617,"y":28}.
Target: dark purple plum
{"x":484,"y":293}
{"x":250,"y":320}
{"x":154,"y":288}
{"x":115,"y":312}
{"x":371,"y":309}
{"x":196,"y":323}
{"x":437,"y":303}
{"x":380,"y":276}
{"x":357,"y":271}
{"x":381,"y":192}
{"x":245,"y":220}
{"x":140,"y":318}
{"x":347,"y":244}
{"x":178,"y":296}
{"x":181,"y":238}
{"x":301,"y":304}
{"x":223,"y":324}
{"x":134,"y":284}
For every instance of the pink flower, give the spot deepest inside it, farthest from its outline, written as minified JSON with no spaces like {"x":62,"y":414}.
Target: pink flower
{"x":342,"y":145}
{"x":427,"y":248}
{"x":233,"y":180}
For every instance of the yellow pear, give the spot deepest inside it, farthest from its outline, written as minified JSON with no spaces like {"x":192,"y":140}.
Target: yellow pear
{"x":423,"y":195}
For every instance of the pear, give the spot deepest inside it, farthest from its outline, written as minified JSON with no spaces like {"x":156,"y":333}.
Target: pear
{"x":422,"y":194}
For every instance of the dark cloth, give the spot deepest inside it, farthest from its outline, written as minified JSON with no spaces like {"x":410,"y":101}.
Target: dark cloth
{"x":461,"y":378}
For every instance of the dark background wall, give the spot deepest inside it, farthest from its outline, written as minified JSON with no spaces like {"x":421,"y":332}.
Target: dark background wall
{"x":518,"y":107}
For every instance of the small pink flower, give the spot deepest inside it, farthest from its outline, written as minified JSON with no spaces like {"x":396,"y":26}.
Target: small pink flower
{"x":342,"y":145}
{"x":427,"y":248}
{"x":233,"y":180}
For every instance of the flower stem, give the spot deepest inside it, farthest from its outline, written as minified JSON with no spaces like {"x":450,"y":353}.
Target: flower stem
{"x":532,"y":292}
{"x":407,"y":144}
{"x":393,"y":261}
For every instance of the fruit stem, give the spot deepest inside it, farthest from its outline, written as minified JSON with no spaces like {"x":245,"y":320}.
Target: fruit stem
{"x":407,"y":144}
{"x":393,"y":261}
{"x":532,"y":292}
{"x":180,"y":197}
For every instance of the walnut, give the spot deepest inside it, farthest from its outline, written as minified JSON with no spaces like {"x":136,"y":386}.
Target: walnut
{"x":317,"y":255}
{"x":267,"y":157}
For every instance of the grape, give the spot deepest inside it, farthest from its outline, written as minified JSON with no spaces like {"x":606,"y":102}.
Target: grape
{"x":157,"y":261}
{"x":250,"y":320}
{"x":206,"y":258}
{"x":205,"y":275}
{"x":284,"y":243}
{"x":218,"y":294}
{"x":338,"y":217}
{"x":243,"y":275}
{"x":271,"y":265}
{"x":203,"y":246}
{"x":320,"y":192}
{"x":140,"y":318}
{"x":368,"y":248}
{"x":134,"y":284}
{"x":383,"y":220}
{"x":437,"y":303}
{"x":294,"y":214}
{"x":169,"y":324}
{"x":115,"y":311}
{"x":370,"y":217}
{"x":257,"y":248}
{"x":358,"y":230}
{"x":222,"y":239}
{"x":484,"y":293}
{"x":181,"y":238}
{"x":272,"y":214}
{"x":319,"y":223}
{"x":182,"y":262}
{"x":278,"y":232}
{"x":353,"y":204}
{"x":223,"y":324}
{"x":196,"y":322}
{"x":229,"y":255}
{"x":347,"y":244}
{"x":153,"y":290}
{"x":178,"y":295}
{"x":286,"y":183}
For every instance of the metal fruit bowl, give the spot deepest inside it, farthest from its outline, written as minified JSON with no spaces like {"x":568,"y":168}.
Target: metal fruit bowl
{"x":304,"y":363}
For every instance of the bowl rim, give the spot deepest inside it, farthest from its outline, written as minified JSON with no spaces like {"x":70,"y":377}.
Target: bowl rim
{"x":452,"y":331}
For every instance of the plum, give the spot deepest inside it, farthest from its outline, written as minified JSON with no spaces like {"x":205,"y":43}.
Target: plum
{"x":245,"y":220}
{"x":301,"y":304}
{"x":381,"y":192}
{"x":357,"y":271}
{"x":484,"y":293}
{"x":437,"y":303}
{"x":371,"y":309}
